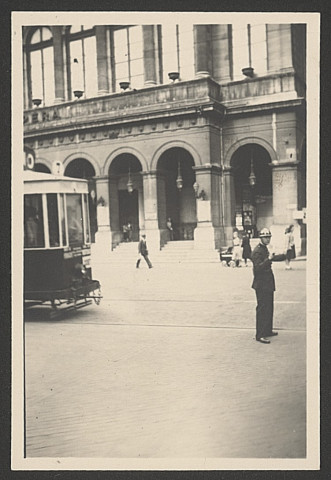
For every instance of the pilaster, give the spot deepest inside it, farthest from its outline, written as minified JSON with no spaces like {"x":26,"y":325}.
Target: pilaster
{"x":149,"y":54}
{"x":102,"y":59}
{"x":151,"y":210}
{"x":58,"y":65}
{"x":103,"y":237}
{"x":202,"y":42}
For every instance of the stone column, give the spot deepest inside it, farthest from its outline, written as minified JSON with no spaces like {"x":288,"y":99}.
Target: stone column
{"x":102,"y":59}
{"x":103,"y":239}
{"x":285,"y":191}
{"x":151,"y":211}
{"x":149,"y":55}
{"x":114,"y":211}
{"x":229,"y":204}
{"x":207,"y":233}
{"x":202,"y":50}
{"x":58,"y":65}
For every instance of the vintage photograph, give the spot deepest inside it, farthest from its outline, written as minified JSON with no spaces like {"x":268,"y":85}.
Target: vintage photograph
{"x":165,"y":229}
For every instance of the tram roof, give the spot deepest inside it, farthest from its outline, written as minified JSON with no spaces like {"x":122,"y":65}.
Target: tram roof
{"x":39,"y":182}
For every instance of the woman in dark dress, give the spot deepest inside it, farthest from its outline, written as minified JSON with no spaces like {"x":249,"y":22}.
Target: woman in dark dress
{"x":246,"y":246}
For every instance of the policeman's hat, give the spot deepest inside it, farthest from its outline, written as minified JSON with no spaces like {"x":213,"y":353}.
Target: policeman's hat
{"x":265,"y":232}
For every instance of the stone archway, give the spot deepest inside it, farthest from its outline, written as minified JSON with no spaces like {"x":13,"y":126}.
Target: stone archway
{"x":82,"y":168}
{"x":176,"y":197}
{"x":252,"y":184}
{"x":125,"y":197}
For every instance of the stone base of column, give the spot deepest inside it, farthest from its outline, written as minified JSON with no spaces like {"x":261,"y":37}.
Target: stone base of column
{"x":150,"y":83}
{"x":202,"y":74}
{"x":153,"y":241}
{"x":228,"y":236}
{"x":204,"y":236}
{"x":103,"y":92}
{"x":58,"y":100}
{"x":103,"y":244}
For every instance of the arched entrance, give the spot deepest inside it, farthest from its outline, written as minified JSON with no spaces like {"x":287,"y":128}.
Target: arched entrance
{"x":126,"y":196}
{"x":40,"y":167}
{"x":179,"y":203}
{"x":253,"y":188}
{"x":82,"y":168}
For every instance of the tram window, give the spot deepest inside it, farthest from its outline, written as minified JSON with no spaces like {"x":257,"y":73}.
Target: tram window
{"x":87,"y":223}
{"x":62,"y":220}
{"x":53,"y":220}
{"x":33,"y":222}
{"x":75,"y":219}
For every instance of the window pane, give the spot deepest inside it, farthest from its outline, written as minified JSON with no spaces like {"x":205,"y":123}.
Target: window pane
{"x":46,"y":34}
{"x":87,"y":220}
{"x":121,"y":56}
{"x":259,"y":48}
{"x":75,"y":219}
{"x":36,"y":75}
{"x":36,"y":36}
{"x":76,"y":53}
{"x":90,"y":51}
{"x":53,"y":220}
{"x":62,"y":220}
{"x":75,"y":28}
{"x":240,"y":49}
{"x":169,"y":51}
{"x":33,"y":222}
{"x":136,"y":42}
{"x":186,"y":52}
{"x":49,"y":75}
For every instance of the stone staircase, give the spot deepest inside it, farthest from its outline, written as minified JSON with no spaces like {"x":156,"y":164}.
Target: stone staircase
{"x":173,"y":252}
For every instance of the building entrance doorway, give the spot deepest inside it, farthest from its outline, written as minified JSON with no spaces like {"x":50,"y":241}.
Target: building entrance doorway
{"x":251,"y":166}
{"x":126,"y":198}
{"x":179,"y":202}
{"x":129,"y":214}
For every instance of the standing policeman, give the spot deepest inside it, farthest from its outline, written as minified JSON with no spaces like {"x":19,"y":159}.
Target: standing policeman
{"x":264,"y":286}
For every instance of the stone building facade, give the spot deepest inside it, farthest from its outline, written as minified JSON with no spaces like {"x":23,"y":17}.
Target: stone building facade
{"x":211,"y":148}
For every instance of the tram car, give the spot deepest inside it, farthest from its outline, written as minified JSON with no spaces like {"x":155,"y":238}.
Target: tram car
{"x":57,"y":242}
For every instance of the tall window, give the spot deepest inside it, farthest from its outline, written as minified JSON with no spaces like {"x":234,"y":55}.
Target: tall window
{"x":40,"y":53}
{"x":178,"y":51}
{"x":128,"y":56}
{"x":249,"y":48}
{"x":82,"y":60}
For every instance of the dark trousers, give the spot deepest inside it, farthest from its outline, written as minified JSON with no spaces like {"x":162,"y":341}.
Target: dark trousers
{"x":264,"y":312}
{"x":146,"y":259}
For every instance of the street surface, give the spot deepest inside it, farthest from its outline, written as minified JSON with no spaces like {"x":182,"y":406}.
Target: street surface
{"x":167,"y":366}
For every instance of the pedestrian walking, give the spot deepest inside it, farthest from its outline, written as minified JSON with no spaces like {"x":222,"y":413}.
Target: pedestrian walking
{"x":170,"y":228}
{"x":237,"y":250}
{"x":246,"y":246}
{"x":289,"y":249}
{"x":143,"y":252}
{"x":264,"y":286}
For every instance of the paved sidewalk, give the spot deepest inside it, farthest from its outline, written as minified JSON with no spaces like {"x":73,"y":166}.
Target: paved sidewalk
{"x":167,"y":366}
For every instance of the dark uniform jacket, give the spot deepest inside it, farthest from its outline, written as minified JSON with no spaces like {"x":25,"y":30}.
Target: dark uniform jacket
{"x":263,"y":276}
{"x":142,"y":247}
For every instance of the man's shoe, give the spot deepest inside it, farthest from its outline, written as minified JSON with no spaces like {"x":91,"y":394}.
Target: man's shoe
{"x":262,"y":340}
{"x":272,"y":334}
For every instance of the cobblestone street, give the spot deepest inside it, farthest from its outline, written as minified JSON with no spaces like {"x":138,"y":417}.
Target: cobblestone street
{"x":167,"y":366}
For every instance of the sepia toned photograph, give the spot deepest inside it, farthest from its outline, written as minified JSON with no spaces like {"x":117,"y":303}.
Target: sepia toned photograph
{"x":165,"y":241}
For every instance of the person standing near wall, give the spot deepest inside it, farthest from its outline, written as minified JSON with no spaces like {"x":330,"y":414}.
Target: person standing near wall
{"x":246,"y":246}
{"x":237,"y":250}
{"x":289,"y":249}
{"x":264,"y":286}
{"x":143,"y":252}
